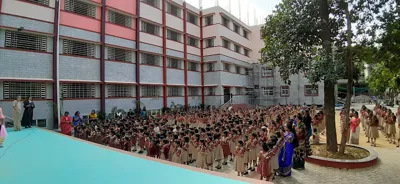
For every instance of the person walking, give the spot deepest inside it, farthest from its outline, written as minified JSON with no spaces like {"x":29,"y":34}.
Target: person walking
{"x":17,"y":108}
{"x":27,"y":117}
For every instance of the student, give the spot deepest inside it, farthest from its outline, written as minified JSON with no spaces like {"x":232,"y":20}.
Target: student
{"x":264,"y":167}
{"x":209,"y":153}
{"x":218,"y":151}
{"x":374,"y":132}
{"x":201,"y":155}
{"x":3,"y":131}
{"x":185,"y":149}
{"x":177,"y":156}
{"x":238,"y":163}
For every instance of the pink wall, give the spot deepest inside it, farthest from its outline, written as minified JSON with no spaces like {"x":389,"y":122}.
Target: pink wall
{"x":128,"y":6}
{"x":80,"y":21}
{"x":120,"y":31}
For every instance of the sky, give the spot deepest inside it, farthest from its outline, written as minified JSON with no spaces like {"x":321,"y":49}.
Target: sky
{"x":257,"y":9}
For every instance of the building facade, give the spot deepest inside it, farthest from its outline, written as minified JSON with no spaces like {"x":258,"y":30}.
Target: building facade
{"x":82,"y":55}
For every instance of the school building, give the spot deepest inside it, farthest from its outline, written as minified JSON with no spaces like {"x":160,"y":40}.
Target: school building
{"x":82,"y":55}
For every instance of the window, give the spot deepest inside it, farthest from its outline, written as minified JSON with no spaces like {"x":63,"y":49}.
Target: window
{"x":80,"y":7}
{"x":208,"y":20}
{"x":245,"y":35}
{"x":284,"y":90}
{"x":150,"y":59}
{"x":310,"y":90}
{"x":237,"y":48}
{"x":150,"y":91}
{"x":226,"y":44}
{"x":172,"y":35}
{"x":225,"y":22}
{"x":25,"y":41}
{"x":11,"y":90}
{"x":150,"y":28}
{"x":247,"y":71}
{"x":43,"y":2}
{"x":119,"y":90}
{"x":192,"y":66}
{"x":77,"y":48}
{"x":173,"y":10}
{"x":210,"y":67}
{"x":246,"y":52}
{"x":268,"y":91}
{"x":239,"y":91}
{"x":210,"y":91}
{"x":209,"y":42}
{"x":192,"y":18}
{"x":237,"y":69}
{"x":155,"y":3}
{"x":174,"y":63}
{"x":78,"y":90}
{"x":175,"y":91}
{"x":118,"y":54}
{"x":119,"y":19}
{"x":236,"y":28}
{"x":193,"y":42}
{"x":193,"y":91}
{"x":227,"y":67}
{"x":267,"y":72}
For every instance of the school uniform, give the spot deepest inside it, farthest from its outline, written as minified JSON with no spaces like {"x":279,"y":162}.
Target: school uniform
{"x":218,"y":151}
{"x":201,"y":157}
{"x":185,"y":153}
{"x":238,"y":163}
{"x":177,"y":157}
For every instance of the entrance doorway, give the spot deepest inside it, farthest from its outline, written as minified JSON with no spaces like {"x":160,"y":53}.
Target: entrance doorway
{"x":227,"y":94}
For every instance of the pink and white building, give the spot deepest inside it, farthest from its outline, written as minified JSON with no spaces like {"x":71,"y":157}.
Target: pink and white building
{"x":82,"y":55}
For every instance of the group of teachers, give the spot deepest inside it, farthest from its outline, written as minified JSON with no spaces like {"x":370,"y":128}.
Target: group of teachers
{"x":24,"y":118}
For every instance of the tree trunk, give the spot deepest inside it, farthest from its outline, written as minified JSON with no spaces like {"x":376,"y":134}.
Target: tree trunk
{"x":346,"y":126}
{"x":329,"y":85}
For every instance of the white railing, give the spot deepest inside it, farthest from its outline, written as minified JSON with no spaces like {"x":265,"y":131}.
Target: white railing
{"x":226,"y":105}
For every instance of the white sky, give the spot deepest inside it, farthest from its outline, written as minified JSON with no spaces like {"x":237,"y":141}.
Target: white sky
{"x":257,"y":9}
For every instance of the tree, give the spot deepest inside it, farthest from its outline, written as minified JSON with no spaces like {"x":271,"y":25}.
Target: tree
{"x":315,"y":36}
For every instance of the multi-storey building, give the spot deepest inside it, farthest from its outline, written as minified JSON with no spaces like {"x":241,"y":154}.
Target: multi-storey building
{"x":82,"y":55}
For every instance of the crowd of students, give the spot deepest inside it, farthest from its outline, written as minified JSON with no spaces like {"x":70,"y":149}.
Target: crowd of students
{"x":271,"y":140}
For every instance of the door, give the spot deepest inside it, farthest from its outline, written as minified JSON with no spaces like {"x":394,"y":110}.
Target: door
{"x":227,"y":94}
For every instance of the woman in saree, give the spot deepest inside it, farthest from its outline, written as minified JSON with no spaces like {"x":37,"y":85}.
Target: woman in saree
{"x":303,"y":149}
{"x":65,"y":124}
{"x":286,"y":154}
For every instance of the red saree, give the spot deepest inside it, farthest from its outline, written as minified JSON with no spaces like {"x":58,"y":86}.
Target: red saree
{"x":66,"y":125}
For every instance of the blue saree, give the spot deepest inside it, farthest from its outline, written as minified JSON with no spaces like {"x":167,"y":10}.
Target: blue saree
{"x":286,"y":156}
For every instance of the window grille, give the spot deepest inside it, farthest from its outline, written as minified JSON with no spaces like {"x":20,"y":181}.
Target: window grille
{"x":149,"y":91}
{"x":80,"y":7}
{"x":246,"y":52}
{"x":210,"y":67}
{"x":77,"y":48}
{"x":150,"y":59}
{"x":25,"y":41}
{"x":284,"y":90}
{"x":209,"y":20}
{"x":172,"y":35}
{"x":247,"y":71}
{"x":225,"y":22}
{"x":78,"y":90}
{"x":43,"y":2}
{"x":150,"y":28}
{"x":175,"y":91}
{"x":192,"y":18}
{"x":210,"y":91}
{"x":174,"y":10}
{"x":119,"y":19}
{"x":226,"y":44}
{"x":311,"y":90}
{"x":11,"y":90}
{"x":209,"y":42}
{"x":267,"y":72}
{"x":119,"y":90}
{"x":193,"y":91}
{"x":268,"y":91}
{"x":192,"y":66}
{"x":245,"y":35}
{"x":174,"y":63}
{"x":227,"y":67}
{"x":155,"y":3}
{"x":236,"y":28}
{"x":193,"y":42}
{"x":237,"y":69}
{"x":237,"y":48}
{"x":118,"y":54}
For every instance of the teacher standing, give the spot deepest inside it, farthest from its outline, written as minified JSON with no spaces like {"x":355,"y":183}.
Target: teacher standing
{"x":27,"y":118}
{"x":17,"y":108}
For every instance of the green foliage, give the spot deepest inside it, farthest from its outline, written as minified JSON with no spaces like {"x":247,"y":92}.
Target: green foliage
{"x":383,"y":78}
